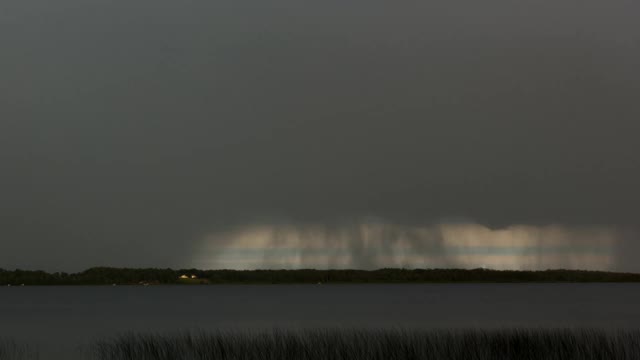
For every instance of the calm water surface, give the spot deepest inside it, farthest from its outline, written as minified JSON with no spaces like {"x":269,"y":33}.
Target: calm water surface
{"x":60,"y":318}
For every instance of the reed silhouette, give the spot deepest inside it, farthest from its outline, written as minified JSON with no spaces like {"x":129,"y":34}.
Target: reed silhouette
{"x":11,"y":350}
{"x":354,"y":344}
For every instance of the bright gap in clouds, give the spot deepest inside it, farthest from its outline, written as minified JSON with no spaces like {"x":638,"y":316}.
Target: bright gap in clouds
{"x":378,"y":244}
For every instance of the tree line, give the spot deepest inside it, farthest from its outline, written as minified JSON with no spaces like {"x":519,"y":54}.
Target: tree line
{"x":154,"y":276}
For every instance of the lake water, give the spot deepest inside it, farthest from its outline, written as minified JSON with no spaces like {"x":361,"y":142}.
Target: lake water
{"x":59,"y":319}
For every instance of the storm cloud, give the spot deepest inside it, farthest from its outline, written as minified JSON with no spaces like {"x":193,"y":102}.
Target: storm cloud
{"x":373,"y":244}
{"x":132,"y":133}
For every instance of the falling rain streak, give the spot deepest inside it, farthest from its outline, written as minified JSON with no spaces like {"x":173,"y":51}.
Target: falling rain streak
{"x":377,"y":244}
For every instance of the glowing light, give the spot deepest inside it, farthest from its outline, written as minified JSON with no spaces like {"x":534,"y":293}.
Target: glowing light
{"x":376,"y":244}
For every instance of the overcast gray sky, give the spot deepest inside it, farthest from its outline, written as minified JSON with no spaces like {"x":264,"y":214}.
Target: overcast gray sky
{"x":131,"y":131}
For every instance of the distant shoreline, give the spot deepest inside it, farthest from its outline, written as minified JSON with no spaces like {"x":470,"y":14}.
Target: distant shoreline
{"x":153,"y":276}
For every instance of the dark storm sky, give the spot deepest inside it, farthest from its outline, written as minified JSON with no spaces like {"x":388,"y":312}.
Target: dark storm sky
{"x":130,"y":129}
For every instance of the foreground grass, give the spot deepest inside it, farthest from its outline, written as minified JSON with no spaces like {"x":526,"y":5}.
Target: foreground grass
{"x":10,"y":350}
{"x":375,"y":345}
